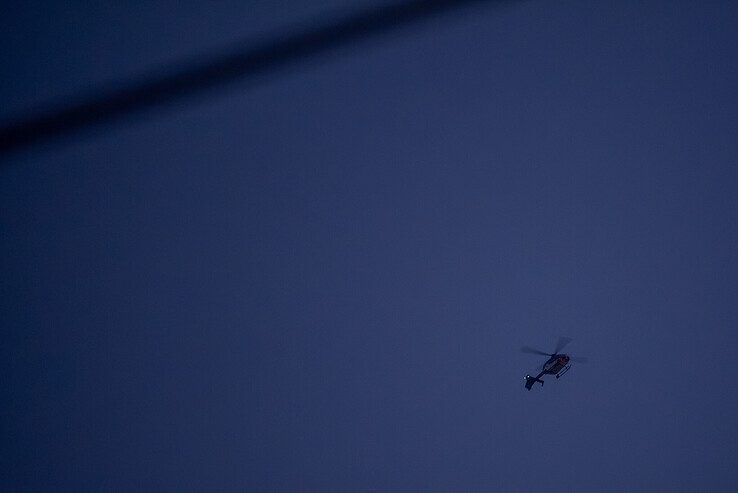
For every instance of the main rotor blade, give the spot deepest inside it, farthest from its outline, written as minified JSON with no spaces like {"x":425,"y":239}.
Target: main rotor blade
{"x":578,"y":359}
{"x":563,"y":341}
{"x":528,"y":349}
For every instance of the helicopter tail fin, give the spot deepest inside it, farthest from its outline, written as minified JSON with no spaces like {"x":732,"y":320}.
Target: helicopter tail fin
{"x":529,"y":381}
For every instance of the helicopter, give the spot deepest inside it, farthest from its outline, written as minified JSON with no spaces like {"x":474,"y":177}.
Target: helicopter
{"x":558,"y":363}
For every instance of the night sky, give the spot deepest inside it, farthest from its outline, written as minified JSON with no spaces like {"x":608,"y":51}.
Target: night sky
{"x":320,"y":280}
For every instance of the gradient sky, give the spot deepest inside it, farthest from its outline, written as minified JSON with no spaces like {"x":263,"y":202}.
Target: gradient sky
{"x":321,"y":281}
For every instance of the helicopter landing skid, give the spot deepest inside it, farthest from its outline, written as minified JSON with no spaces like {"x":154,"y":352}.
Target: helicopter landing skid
{"x":561,"y":373}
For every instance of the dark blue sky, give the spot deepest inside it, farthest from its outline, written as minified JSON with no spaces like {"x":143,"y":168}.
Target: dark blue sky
{"x":321,"y":282}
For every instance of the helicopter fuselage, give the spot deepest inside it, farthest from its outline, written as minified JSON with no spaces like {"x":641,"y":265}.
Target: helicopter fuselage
{"x":558,"y":364}
{"x":555,"y":364}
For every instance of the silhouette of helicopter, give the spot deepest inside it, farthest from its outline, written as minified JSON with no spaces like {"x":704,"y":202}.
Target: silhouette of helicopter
{"x":557,"y":364}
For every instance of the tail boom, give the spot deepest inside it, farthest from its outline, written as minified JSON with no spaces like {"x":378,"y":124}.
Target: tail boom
{"x":529,"y":381}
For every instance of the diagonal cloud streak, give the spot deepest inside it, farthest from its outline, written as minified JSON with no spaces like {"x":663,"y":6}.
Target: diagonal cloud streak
{"x":291,"y":47}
